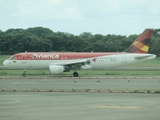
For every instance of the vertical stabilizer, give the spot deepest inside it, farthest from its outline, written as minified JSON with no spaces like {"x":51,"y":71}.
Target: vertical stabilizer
{"x":142,"y":43}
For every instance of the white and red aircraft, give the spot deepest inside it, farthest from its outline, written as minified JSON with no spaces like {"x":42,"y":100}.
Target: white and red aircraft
{"x":59,"y":62}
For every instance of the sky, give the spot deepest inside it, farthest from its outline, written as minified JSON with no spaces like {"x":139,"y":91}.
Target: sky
{"x":120,"y":17}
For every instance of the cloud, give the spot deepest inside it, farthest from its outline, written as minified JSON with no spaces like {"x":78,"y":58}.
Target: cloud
{"x":54,"y":1}
{"x":77,"y":16}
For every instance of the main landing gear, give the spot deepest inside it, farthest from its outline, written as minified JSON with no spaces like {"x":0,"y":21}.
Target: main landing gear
{"x":75,"y":74}
{"x":24,"y":74}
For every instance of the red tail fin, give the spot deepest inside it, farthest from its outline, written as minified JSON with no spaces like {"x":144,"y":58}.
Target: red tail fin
{"x":142,"y":43}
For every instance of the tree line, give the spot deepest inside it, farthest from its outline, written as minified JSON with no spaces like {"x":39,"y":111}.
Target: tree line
{"x":39,"y":39}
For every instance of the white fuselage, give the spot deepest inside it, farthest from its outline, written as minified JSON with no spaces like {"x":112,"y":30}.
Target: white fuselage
{"x":101,"y":62}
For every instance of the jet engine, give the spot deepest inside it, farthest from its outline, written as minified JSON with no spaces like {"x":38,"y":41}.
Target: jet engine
{"x":54,"y":69}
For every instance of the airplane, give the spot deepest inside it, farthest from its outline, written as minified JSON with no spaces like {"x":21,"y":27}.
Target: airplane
{"x":59,"y":62}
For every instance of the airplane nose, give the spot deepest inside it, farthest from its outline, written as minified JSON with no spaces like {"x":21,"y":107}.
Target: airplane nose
{"x":5,"y":63}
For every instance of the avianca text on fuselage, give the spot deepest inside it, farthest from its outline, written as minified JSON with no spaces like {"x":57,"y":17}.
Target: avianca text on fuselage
{"x":44,"y":56}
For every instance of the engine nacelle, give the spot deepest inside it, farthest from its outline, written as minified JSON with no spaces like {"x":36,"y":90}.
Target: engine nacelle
{"x":55,"y":69}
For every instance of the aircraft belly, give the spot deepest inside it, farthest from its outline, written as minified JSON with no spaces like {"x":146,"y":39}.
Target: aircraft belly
{"x":29,"y":64}
{"x":100,"y":65}
{"x":38,"y":64}
{"x":105,"y":64}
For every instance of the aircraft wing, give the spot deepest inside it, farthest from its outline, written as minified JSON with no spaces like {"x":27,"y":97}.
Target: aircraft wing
{"x":76,"y":64}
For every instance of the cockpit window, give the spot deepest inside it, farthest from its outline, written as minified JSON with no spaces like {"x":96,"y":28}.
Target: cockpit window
{"x":12,"y":58}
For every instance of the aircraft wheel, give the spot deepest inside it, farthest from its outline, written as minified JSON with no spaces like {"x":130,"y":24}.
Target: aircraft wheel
{"x":24,"y":74}
{"x":75,"y":74}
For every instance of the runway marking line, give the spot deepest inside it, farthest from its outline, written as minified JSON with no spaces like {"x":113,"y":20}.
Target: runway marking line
{"x":23,"y":82}
{"x":126,"y":107}
{"x":9,"y":101}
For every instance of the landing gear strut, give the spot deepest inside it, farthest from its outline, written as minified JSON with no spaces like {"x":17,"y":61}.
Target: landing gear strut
{"x":24,"y":74}
{"x":75,"y":74}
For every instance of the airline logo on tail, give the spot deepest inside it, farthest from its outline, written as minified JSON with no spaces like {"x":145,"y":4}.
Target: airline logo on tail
{"x":142,"y":43}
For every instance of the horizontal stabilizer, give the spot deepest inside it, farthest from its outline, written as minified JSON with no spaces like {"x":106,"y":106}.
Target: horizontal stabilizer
{"x":149,"y":56}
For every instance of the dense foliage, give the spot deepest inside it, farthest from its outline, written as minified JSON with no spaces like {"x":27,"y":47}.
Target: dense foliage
{"x":41,"y":39}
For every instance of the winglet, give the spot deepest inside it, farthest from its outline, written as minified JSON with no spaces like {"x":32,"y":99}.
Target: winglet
{"x":142,"y":43}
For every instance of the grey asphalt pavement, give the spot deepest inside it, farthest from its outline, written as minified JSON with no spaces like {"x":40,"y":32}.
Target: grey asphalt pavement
{"x":75,"y":83}
{"x":79,"y":105}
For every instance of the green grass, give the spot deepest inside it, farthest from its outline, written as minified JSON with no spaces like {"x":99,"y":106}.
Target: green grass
{"x":81,"y":73}
{"x":3,"y":58}
{"x":150,"y":63}
{"x":19,"y":72}
{"x":120,"y":73}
